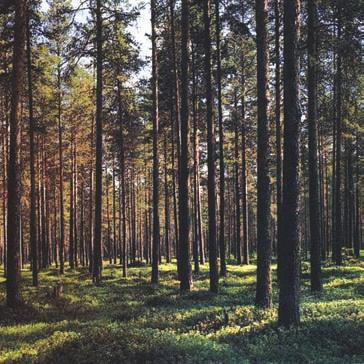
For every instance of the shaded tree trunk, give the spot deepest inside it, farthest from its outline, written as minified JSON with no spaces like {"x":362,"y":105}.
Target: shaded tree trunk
{"x":237,"y":187}
{"x":72,"y":210}
{"x":288,"y":311}
{"x":357,"y":237}
{"x":156,"y":227}
{"x":214,"y":276}
{"x":196,"y":238}
{"x":185,"y":273}
{"x":244,"y":198}
{"x":315,"y":253}
{"x":221,"y":145}
{"x":123,"y":187}
{"x":337,"y":238}
{"x":91,"y":205}
{"x":166,"y":203}
{"x":264,"y":281}
{"x":277,"y":86}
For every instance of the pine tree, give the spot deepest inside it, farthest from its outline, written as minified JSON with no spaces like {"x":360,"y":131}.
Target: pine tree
{"x":13,"y":296}
{"x":288,"y":311}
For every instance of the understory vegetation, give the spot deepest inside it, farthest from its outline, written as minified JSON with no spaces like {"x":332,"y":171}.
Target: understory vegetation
{"x":125,"y":320}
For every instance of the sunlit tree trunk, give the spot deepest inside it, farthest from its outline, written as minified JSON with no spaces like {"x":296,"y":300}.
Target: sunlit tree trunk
{"x":97,"y":261}
{"x":13,"y":297}
{"x":156,"y":227}
{"x":33,"y":204}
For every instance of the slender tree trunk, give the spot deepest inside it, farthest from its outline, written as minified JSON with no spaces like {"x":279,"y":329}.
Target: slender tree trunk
{"x":44,"y":262}
{"x":109,"y":246}
{"x":83,"y":257}
{"x":72,"y":210}
{"x":166,"y":202}
{"x":177,"y":110}
{"x":97,"y":261}
{"x":91,"y":204}
{"x":155,"y":91}
{"x":123,"y":187}
{"x":337,"y":240}
{"x":288,"y":312}
{"x":357,"y":201}
{"x":277,"y":86}
{"x":33,"y":212}
{"x":13,"y":297}
{"x":115,"y":245}
{"x":184,"y":226}
{"x":237,"y":186}
{"x":214,"y":276}
{"x":315,"y":254}
{"x":196,"y":238}
{"x":75,"y":202}
{"x":264,"y":251}
{"x":55,"y":236}
{"x":244,"y":198}
{"x":221,"y":145}
{"x":4,"y":180}
{"x":60,"y":154}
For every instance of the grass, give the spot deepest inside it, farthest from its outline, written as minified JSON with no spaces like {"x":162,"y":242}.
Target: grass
{"x":126,"y":321}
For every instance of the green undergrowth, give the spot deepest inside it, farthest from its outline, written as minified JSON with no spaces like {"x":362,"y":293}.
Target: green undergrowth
{"x":127,"y":321}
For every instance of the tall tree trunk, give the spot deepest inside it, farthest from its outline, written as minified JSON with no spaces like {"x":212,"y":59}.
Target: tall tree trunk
{"x":97,"y":261}
{"x":91,"y":204}
{"x":196,"y":186}
{"x":109,"y":246}
{"x":44,"y":262}
{"x":244,"y":198}
{"x":72,"y":210}
{"x":83,"y":256}
{"x":237,"y":186}
{"x":264,"y":251}
{"x":337,"y":239}
{"x":33,"y":207}
{"x":156,"y":227}
{"x":4,"y":180}
{"x":166,"y":202}
{"x":13,"y":297}
{"x":115,"y":245}
{"x":176,"y":127}
{"x":60,"y":155}
{"x":288,"y":312}
{"x":315,"y":254}
{"x":277,"y":86}
{"x":75,"y":202}
{"x":357,"y":239}
{"x":123,"y":187}
{"x":221,"y":144}
{"x":184,"y":226}
{"x":214,"y":276}
{"x":55,"y":218}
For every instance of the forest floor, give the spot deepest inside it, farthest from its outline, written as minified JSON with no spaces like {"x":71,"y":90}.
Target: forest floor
{"x":126,"y":321}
